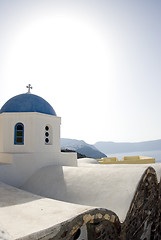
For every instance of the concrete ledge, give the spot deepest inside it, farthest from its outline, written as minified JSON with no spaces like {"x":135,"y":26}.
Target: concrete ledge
{"x":108,"y":160}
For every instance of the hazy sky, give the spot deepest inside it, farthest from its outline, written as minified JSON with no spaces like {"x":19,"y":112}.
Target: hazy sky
{"x":98,"y":63}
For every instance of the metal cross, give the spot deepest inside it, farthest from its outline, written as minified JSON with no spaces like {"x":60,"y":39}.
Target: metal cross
{"x":29,"y":87}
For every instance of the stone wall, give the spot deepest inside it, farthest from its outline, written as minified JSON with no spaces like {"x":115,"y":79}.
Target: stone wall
{"x":159,"y":212}
{"x":99,"y":224}
{"x":143,"y":220}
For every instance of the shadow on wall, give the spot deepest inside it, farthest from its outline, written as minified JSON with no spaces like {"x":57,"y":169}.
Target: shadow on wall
{"x":40,"y":181}
{"x":15,"y":196}
{"x":20,"y":196}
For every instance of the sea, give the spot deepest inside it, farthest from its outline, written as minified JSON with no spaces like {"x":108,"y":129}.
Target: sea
{"x":155,"y":154}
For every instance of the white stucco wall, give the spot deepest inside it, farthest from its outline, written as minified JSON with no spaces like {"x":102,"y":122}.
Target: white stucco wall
{"x":23,"y":166}
{"x":42,"y":120}
{"x":1,"y":134}
{"x":111,"y":188}
{"x":19,"y":162}
{"x":34,"y":132}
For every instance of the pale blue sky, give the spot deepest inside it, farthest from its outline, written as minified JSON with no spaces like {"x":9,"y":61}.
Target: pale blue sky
{"x":96,"y":62}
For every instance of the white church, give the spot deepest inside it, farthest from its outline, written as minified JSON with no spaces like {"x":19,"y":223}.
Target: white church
{"x":47,"y":194}
{"x":29,"y":138}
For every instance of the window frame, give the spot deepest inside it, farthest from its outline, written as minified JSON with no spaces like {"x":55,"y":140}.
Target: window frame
{"x":21,"y":132}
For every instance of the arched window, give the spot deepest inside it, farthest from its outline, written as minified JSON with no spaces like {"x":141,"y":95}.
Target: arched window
{"x":19,"y":134}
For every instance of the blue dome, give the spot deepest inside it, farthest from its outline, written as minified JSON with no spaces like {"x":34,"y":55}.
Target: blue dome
{"x":28,"y":102}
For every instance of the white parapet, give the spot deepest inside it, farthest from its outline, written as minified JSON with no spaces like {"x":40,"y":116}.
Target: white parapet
{"x":127,"y":160}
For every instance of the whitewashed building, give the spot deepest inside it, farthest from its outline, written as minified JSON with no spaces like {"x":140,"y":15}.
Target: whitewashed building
{"x":29,"y":138}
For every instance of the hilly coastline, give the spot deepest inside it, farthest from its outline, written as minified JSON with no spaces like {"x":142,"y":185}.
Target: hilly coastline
{"x":101,"y":149}
{"x":121,"y":147}
{"x":81,"y":147}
